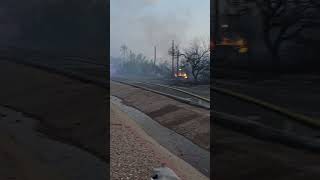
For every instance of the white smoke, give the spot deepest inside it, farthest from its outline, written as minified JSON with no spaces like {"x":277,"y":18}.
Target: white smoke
{"x":141,"y":30}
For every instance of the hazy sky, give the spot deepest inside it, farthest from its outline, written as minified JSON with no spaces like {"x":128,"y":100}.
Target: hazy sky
{"x":141,"y":24}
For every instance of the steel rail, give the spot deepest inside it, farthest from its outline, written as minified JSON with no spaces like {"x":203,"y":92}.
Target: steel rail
{"x":179,"y":90}
{"x":184,"y":100}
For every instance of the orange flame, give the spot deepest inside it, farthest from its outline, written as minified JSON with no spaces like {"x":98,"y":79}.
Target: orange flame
{"x":181,"y":74}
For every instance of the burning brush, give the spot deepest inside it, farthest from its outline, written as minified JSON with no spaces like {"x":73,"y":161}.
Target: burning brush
{"x":181,"y":74}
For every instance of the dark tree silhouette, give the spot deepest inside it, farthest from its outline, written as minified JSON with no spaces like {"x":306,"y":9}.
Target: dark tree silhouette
{"x":285,"y":20}
{"x":197,"y":56}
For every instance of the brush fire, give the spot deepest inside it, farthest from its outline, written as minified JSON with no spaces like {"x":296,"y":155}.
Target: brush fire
{"x":181,"y":74}
{"x":240,"y":44}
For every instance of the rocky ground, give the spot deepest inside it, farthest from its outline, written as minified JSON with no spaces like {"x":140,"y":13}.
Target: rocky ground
{"x":131,"y":157}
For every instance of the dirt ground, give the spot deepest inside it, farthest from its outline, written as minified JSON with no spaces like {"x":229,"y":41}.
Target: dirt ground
{"x":66,"y":110}
{"x":237,"y":156}
{"x":27,"y":154}
{"x":299,"y":93}
{"x":134,"y":154}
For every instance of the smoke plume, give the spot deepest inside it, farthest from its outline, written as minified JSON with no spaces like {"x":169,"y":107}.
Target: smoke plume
{"x":135,"y":24}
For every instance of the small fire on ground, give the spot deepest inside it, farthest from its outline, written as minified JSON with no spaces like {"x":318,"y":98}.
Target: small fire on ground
{"x":181,"y":75}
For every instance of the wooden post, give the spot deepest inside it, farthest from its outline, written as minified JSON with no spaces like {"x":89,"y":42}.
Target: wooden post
{"x":173,"y":58}
{"x":155,"y":55}
{"x":178,"y":55}
{"x":155,"y":58}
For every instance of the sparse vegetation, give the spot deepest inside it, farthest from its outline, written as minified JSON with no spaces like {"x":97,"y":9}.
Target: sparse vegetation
{"x":138,"y":64}
{"x":194,"y":60}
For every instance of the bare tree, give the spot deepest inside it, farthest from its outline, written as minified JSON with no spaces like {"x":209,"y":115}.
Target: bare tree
{"x":284,"y":20}
{"x":197,"y":56}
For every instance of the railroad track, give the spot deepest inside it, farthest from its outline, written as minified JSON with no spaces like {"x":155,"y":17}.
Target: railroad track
{"x":73,"y":67}
{"x":197,"y":99}
{"x":172,"y":92}
{"x":238,"y":123}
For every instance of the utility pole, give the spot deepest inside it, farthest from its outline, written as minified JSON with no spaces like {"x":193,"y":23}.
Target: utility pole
{"x":178,"y":55}
{"x":173,"y":58}
{"x":155,"y":55}
{"x":155,"y":58}
{"x":130,"y":55}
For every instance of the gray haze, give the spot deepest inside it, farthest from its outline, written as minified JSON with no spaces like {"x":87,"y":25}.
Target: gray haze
{"x":141,"y":24}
